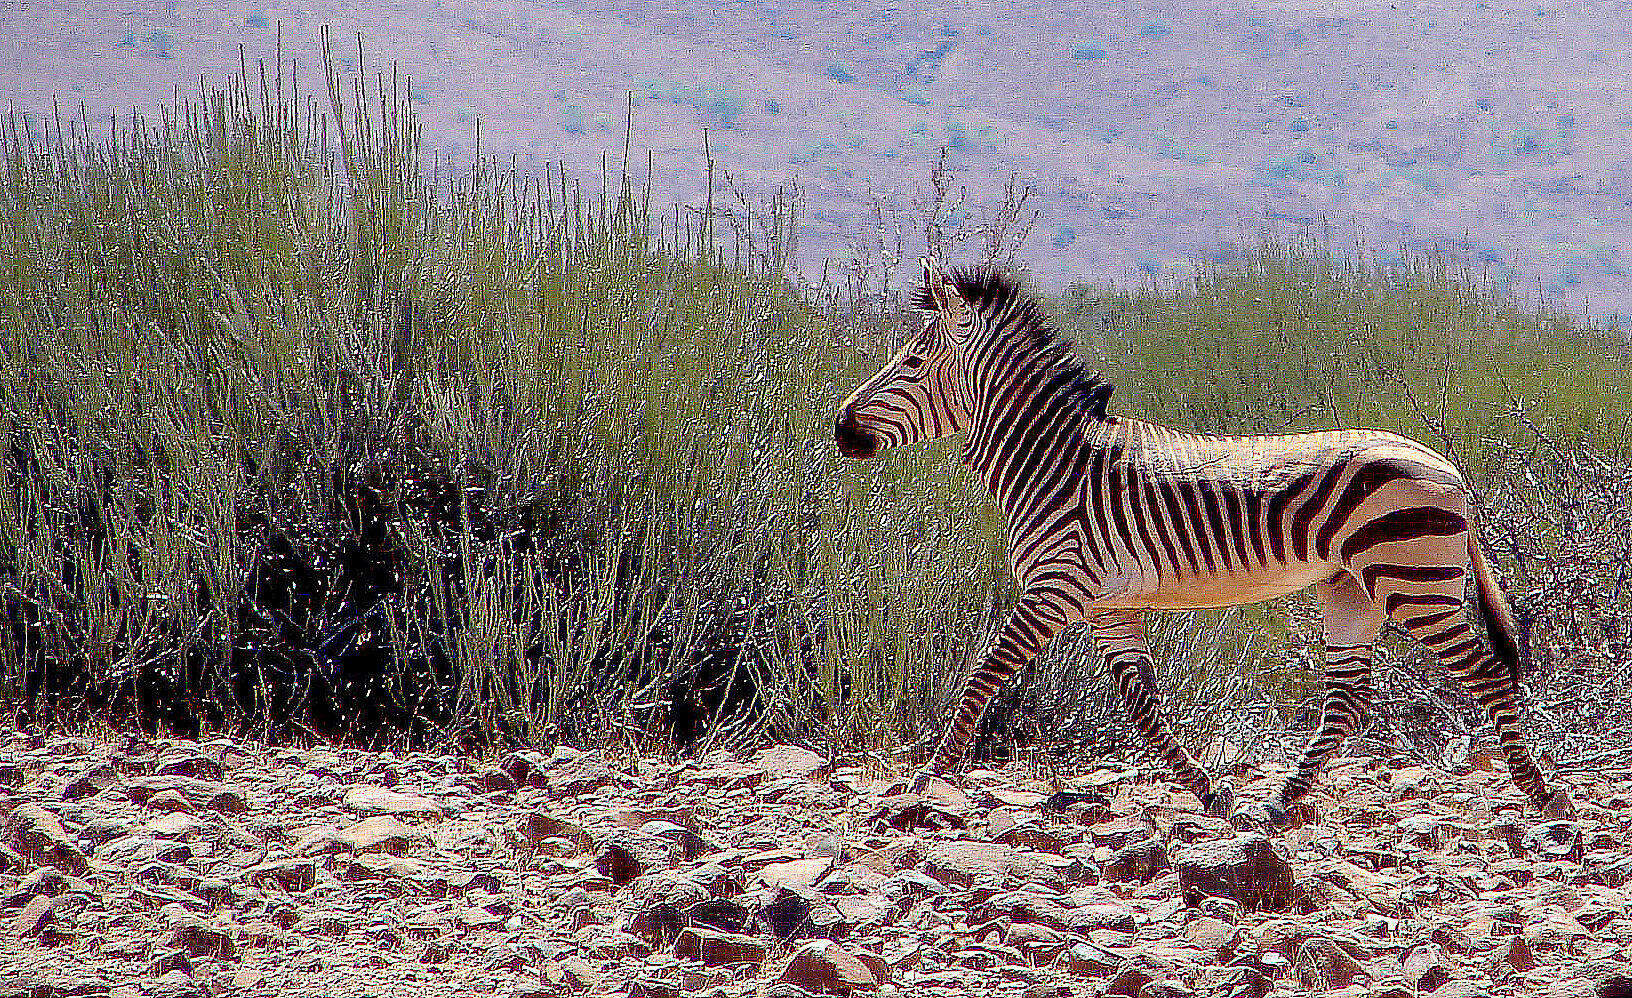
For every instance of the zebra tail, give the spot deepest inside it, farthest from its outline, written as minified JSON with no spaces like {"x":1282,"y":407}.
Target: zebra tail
{"x":1494,"y":610}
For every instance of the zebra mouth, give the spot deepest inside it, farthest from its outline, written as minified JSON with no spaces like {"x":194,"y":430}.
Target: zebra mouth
{"x":853,"y":441}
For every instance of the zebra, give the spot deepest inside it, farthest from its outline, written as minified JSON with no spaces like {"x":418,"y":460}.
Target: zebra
{"x":1109,"y":517}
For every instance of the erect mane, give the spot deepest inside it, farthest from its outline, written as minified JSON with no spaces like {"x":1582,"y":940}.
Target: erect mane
{"x":994,"y":292}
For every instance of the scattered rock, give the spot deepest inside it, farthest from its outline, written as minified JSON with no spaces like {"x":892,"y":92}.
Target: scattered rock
{"x":1247,"y":869}
{"x":723,"y":878}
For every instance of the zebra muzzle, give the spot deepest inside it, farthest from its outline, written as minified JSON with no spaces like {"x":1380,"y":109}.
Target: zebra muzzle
{"x":853,"y":441}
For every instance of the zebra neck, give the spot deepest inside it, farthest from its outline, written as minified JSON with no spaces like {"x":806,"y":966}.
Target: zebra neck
{"x":1028,"y":425}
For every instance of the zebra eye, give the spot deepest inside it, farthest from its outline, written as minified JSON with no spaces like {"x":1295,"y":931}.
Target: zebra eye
{"x":912,"y":360}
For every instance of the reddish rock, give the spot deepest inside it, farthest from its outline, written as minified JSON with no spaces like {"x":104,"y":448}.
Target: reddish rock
{"x":719,"y":948}
{"x":1247,"y":869}
{"x":1140,"y":861}
{"x":1424,"y":966}
{"x":38,"y":835}
{"x":199,"y":938}
{"x":910,"y":811}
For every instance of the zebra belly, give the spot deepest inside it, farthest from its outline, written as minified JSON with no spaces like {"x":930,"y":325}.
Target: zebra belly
{"x":1140,"y":592}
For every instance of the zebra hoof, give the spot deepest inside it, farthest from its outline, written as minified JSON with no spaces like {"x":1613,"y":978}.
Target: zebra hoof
{"x":1218,"y":801}
{"x":1259,"y":816}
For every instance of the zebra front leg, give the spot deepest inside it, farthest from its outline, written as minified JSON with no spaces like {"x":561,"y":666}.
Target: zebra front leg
{"x":1351,"y":622}
{"x":1120,"y":636}
{"x":1034,"y":620}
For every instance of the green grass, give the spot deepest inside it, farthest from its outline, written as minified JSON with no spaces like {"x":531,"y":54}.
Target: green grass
{"x":305,"y":434}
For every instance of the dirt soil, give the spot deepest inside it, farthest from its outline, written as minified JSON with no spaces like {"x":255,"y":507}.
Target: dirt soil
{"x":137,"y":866}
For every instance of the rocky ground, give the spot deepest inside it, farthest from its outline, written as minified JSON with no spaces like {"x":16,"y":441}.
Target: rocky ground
{"x":216,"y":868}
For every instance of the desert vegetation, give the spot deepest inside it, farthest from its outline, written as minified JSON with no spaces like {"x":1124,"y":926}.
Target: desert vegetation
{"x":309,"y":436}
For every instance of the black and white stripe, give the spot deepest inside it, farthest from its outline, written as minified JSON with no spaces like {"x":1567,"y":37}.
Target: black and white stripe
{"x":1109,"y":517}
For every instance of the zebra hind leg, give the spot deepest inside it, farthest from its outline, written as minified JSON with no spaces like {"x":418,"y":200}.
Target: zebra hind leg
{"x":1441,"y":622}
{"x":1351,"y":622}
{"x":1120,"y":636}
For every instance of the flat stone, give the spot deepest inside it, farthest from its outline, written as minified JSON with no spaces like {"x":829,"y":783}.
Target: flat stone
{"x":783,"y":761}
{"x":825,"y":968}
{"x":369,"y":800}
{"x":795,"y":875}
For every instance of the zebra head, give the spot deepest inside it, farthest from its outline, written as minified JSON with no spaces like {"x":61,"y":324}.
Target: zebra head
{"x":922,"y":393}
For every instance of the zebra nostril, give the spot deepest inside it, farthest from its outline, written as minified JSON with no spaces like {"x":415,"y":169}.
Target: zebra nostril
{"x":853,"y":441}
